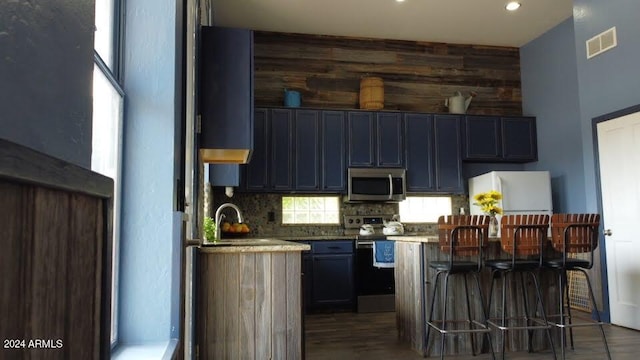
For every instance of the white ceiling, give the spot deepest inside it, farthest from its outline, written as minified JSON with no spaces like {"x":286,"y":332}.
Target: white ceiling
{"x":480,"y":22}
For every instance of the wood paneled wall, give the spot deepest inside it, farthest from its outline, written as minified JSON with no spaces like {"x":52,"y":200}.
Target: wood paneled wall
{"x":55,"y":262}
{"x":249,"y":305}
{"x":418,"y":76}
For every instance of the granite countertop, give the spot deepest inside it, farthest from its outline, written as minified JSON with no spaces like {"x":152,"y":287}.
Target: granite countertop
{"x":425,"y":238}
{"x":414,"y":238}
{"x":252,"y":245}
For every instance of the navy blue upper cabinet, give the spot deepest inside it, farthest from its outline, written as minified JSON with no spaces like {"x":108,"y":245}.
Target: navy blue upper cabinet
{"x":333,"y":169}
{"x":281,"y":149}
{"x":448,"y":160}
{"x":390,"y":139}
{"x":256,"y":171}
{"x":226,"y":94}
{"x":375,"y":139}
{"x":482,"y":138}
{"x":307,"y":146}
{"x":499,"y":139}
{"x":519,"y":139}
{"x":419,"y":152}
{"x":362,"y":138}
{"x":297,"y":150}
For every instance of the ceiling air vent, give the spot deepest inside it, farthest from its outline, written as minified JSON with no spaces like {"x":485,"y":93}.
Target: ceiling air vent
{"x":602,"y":42}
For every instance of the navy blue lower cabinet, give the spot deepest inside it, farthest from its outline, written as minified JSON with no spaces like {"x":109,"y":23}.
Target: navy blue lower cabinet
{"x":332,"y":280}
{"x":418,"y":137}
{"x":332,"y":284}
{"x":448,"y":160}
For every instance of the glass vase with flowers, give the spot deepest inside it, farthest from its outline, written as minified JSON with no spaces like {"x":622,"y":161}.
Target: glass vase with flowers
{"x":488,"y":203}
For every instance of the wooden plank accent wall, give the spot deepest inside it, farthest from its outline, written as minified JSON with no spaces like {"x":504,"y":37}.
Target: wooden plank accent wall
{"x":55,"y":257}
{"x":249,"y":305}
{"x":418,"y":76}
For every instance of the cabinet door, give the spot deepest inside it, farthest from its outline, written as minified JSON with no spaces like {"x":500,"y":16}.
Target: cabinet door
{"x":482,"y":138}
{"x":332,"y":280}
{"x":333,"y":167}
{"x":519,"y":139}
{"x":419,"y":152}
{"x":281,"y":149}
{"x":362,"y":138}
{"x":256,"y":171}
{"x":224,"y":174}
{"x":307,"y":150}
{"x":227,"y":88}
{"x":389,"y":140}
{"x":448,"y":162}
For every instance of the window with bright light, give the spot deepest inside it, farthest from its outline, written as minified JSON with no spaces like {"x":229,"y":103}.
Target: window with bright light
{"x":106,"y":24}
{"x":106,"y":155}
{"x":108,"y":106}
{"x":310,"y":210}
{"x":424,"y":209}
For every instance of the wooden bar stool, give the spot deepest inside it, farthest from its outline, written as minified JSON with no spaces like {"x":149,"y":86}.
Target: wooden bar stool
{"x":523,"y":237}
{"x":574,"y":234}
{"x":462,"y":237}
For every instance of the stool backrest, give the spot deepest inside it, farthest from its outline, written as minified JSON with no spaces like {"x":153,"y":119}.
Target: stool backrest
{"x":467,"y":233}
{"x":523,"y":234}
{"x":575,"y":233}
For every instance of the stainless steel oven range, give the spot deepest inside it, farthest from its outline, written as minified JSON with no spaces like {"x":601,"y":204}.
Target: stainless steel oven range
{"x":375,"y":287}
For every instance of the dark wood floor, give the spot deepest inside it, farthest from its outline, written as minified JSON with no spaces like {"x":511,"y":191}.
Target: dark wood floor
{"x":373,"y":336}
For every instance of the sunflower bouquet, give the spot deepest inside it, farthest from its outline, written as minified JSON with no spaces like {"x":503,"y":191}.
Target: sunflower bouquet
{"x":488,"y":202}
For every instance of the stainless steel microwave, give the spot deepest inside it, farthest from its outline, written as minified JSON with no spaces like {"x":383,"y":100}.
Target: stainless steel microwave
{"x":376,"y":184}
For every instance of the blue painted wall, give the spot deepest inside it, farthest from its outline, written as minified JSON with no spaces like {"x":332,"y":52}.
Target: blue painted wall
{"x":550,"y":92}
{"x":609,"y":81}
{"x":46,"y":74}
{"x":151,"y":227}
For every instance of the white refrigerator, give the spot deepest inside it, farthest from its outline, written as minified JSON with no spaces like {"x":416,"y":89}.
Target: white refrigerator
{"x":523,"y":192}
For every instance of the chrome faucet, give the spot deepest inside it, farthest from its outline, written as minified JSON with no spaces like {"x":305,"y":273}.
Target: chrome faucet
{"x":219,"y":215}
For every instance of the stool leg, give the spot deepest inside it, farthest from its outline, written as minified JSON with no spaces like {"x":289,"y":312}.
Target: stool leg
{"x":525,"y":304}
{"x":504,"y":311}
{"x":568,"y":306}
{"x":466,"y":294}
{"x":595,"y":308}
{"x":484,"y":314}
{"x":563,"y":333}
{"x":433,"y":301}
{"x":444,"y":315}
{"x":543,"y":313}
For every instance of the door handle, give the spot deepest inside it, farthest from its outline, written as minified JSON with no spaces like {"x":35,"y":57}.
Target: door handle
{"x":607,"y":232}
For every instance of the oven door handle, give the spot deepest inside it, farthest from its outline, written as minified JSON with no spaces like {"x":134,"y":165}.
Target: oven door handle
{"x":364,"y":244}
{"x":390,"y":187}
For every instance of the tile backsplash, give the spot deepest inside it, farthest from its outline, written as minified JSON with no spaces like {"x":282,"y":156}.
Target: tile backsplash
{"x":256,"y":208}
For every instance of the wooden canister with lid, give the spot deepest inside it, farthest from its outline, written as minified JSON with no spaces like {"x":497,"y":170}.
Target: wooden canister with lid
{"x":371,"y":93}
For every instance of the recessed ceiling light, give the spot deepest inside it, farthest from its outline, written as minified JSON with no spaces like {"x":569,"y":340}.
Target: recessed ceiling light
{"x":399,"y":0}
{"x":512,"y":6}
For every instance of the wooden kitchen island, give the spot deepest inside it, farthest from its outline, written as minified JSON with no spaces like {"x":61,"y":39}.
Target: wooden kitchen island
{"x":249,"y":303}
{"x":413,"y":281}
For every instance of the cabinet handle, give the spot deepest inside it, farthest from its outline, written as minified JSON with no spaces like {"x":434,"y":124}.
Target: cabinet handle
{"x":390,"y":187}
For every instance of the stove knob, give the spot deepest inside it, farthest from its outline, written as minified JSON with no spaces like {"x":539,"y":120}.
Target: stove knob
{"x":357,"y":221}
{"x":350,"y":221}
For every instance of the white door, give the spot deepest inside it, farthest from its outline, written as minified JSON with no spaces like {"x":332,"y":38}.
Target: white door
{"x":619,"y":155}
